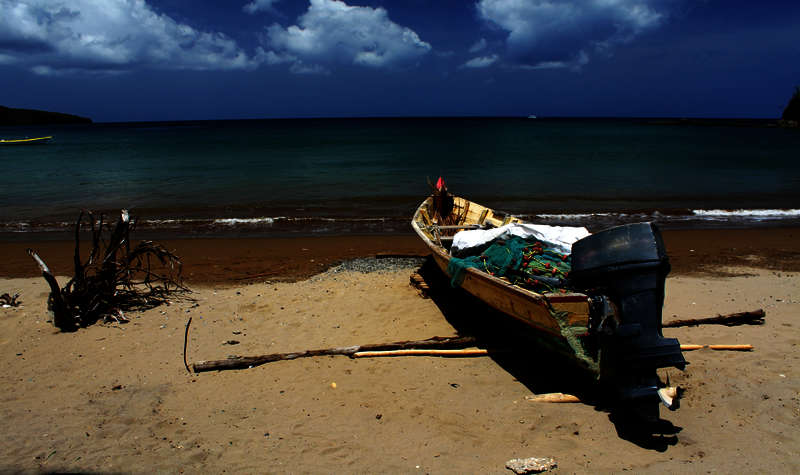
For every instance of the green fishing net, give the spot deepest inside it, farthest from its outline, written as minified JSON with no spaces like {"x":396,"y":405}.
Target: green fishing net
{"x":535,"y":266}
{"x":528,"y":263}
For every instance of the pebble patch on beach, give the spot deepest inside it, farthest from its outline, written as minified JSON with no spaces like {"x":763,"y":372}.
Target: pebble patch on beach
{"x":366,"y":265}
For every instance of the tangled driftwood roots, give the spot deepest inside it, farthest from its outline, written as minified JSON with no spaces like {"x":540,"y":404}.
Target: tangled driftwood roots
{"x":9,"y":300}
{"x":114,"y":278}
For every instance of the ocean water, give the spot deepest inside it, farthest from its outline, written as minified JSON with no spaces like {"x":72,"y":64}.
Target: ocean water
{"x":332,"y":176}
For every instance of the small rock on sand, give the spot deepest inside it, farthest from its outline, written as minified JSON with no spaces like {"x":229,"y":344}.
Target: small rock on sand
{"x":531,"y":465}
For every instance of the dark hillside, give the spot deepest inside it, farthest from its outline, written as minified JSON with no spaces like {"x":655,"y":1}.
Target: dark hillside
{"x":9,"y":116}
{"x":792,"y":110}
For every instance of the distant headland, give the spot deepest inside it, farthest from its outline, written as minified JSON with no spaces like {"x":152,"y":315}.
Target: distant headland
{"x":791,"y":114}
{"x":10,"y":116}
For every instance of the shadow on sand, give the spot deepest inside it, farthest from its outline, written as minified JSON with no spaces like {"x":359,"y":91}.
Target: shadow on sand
{"x":516,"y":348}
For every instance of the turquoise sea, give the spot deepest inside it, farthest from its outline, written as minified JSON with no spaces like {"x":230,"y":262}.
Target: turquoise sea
{"x":332,"y":176}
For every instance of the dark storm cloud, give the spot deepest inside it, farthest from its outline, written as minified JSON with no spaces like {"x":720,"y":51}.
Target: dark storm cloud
{"x":560,"y":33}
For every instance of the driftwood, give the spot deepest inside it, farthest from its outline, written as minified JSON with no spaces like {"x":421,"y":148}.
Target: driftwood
{"x":10,"y":300}
{"x":689,"y":347}
{"x":115,"y":277}
{"x":244,"y":362}
{"x":440,"y":346}
{"x":742,"y":318}
{"x":436,"y":346}
{"x":185,"y":343}
{"x":668,"y":395}
{"x":418,"y":282}
{"x":553,"y":397}
{"x":61,"y":315}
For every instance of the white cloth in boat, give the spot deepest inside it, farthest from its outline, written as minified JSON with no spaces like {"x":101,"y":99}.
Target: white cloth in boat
{"x":558,"y":237}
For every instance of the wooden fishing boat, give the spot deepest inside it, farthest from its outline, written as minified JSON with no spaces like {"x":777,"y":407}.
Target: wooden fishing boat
{"x":608,"y":317}
{"x":530,"y":307}
{"x":31,"y":141}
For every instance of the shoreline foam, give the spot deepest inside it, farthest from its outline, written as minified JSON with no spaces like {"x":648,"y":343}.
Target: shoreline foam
{"x":325,"y":225}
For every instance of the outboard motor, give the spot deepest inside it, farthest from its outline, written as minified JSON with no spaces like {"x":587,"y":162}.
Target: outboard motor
{"x":624,"y":269}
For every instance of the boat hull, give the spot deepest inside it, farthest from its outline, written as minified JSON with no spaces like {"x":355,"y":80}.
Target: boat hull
{"x":540,"y":312}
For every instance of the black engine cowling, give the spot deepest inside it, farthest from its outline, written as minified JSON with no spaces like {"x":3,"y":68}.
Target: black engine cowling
{"x":626,"y":266}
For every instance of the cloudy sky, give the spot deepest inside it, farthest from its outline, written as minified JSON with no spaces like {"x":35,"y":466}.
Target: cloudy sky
{"x":129,"y":60}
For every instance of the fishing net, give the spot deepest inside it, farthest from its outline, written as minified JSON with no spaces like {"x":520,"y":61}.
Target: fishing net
{"x":533,"y":265}
{"x":528,"y":263}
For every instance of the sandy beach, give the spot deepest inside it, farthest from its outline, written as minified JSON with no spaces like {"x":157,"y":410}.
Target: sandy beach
{"x":196,"y":185}
{"x":117,"y":398}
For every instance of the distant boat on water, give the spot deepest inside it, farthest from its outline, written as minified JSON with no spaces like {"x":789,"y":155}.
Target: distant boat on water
{"x":532,"y":116}
{"x":32,"y":141}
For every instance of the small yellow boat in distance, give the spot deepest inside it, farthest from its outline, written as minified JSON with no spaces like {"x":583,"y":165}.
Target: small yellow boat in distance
{"x":32,"y":141}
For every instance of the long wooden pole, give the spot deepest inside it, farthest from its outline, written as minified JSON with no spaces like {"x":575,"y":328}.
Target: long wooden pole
{"x":755,"y":317}
{"x":244,"y":362}
{"x":417,"y":352}
{"x":436,"y":346}
{"x":688,"y":347}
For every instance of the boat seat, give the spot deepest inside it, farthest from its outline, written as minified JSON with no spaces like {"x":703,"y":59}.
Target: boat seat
{"x":482,"y":217}
{"x":462,"y":226}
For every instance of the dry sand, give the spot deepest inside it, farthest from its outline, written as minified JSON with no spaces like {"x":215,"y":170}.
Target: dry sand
{"x":117,"y":398}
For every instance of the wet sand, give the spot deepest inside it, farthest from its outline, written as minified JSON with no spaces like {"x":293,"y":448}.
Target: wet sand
{"x":233,"y":261}
{"x":117,"y":398}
